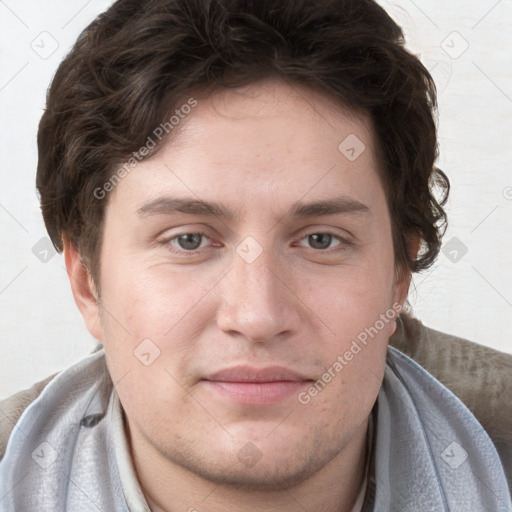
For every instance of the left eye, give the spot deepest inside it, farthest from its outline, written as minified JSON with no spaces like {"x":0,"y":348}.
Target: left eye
{"x":189,"y":241}
{"x":321,"y":241}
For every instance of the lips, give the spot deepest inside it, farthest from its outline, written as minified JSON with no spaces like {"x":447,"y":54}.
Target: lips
{"x":247,"y":385}
{"x":250,"y":374}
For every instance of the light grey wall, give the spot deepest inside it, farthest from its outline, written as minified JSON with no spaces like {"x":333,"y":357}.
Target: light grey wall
{"x":465,"y":44}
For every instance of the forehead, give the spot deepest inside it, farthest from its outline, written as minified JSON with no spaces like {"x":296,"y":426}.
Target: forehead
{"x":269,"y":139}
{"x":267,"y":107}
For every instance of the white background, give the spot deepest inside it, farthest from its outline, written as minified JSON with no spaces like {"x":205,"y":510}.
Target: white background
{"x":41,"y":329}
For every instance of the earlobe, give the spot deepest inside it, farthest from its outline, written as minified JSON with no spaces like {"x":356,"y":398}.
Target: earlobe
{"x":402,"y":288}
{"x":404,"y":274}
{"x":84,"y":291}
{"x":413,"y":246}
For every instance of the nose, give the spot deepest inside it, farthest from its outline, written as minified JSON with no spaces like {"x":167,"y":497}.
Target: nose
{"x":259,"y":302}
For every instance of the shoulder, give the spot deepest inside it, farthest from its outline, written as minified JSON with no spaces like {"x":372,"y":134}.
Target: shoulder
{"x":479,"y":376}
{"x":12,"y":408}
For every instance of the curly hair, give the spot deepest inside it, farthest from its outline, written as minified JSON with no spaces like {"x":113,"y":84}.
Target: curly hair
{"x":134,"y":63}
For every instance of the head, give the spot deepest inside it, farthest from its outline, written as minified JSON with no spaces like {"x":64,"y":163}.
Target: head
{"x":242,"y":183}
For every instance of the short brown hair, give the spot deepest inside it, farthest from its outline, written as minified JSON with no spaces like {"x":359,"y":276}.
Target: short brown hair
{"x":133,"y":63}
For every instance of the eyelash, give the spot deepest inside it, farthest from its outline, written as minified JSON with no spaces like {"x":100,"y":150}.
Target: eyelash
{"x":183,"y":252}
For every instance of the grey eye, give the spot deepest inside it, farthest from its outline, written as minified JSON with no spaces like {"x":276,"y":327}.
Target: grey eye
{"x":190,"y":241}
{"x":320,"y":240}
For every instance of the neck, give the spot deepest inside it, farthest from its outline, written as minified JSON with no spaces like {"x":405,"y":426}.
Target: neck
{"x":169,"y":487}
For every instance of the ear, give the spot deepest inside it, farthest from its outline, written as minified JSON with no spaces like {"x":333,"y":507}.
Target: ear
{"x":403,"y":280}
{"x":84,"y":291}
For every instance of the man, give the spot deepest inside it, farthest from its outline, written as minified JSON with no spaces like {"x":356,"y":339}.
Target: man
{"x":241,"y":191}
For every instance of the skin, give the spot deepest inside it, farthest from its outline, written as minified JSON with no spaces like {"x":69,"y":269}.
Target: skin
{"x":258,"y":150}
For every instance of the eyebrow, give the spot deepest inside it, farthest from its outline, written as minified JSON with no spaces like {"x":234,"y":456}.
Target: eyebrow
{"x":169,"y":205}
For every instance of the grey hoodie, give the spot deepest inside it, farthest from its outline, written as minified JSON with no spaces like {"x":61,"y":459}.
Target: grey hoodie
{"x":429,"y":453}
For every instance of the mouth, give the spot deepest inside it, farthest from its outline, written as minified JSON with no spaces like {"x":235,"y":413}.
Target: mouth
{"x":246,"y":385}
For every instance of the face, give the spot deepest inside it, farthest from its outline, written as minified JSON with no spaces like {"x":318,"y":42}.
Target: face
{"x":248,"y":287}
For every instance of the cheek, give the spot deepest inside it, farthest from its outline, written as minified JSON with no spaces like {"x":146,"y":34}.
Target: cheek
{"x":360,"y":319}
{"x":151,"y":319}
{"x":149,"y":343}
{"x":353,"y":298}
{"x":151,"y":302}
{"x":357,"y":310}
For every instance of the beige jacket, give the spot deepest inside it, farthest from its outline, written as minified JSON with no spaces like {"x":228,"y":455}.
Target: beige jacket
{"x":481,"y":377}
